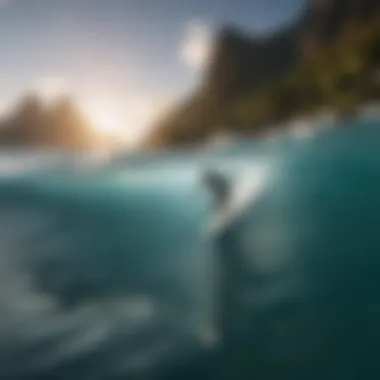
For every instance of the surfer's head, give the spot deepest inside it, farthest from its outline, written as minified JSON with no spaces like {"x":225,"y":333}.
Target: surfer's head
{"x":218,"y":186}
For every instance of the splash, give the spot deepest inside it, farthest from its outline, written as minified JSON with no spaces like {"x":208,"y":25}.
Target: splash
{"x":244,"y":192}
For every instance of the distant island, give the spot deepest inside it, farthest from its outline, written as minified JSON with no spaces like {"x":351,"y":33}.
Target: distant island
{"x":59,"y":124}
{"x":329,"y":58}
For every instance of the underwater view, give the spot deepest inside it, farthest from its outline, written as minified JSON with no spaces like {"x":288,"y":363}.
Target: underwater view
{"x":112,"y":270}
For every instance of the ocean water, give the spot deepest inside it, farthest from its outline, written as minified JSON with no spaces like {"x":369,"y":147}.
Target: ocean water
{"x":109,"y":270}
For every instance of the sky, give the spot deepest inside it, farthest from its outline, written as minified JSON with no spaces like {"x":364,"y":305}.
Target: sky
{"x":123,"y":60}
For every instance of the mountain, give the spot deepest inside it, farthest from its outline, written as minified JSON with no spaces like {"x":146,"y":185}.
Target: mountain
{"x":59,"y":125}
{"x":327,"y":57}
{"x":235,"y":66}
{"x":328,"y":19}
{"x":239,"y":63}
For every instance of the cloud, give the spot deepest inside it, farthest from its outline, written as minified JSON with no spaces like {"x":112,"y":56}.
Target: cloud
{"x":196,"y":45}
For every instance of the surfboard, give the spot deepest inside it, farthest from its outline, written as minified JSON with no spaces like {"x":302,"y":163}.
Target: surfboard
{"x":244,"y":192}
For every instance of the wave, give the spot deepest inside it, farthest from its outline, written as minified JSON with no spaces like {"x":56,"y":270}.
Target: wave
{"x":106,"y":273}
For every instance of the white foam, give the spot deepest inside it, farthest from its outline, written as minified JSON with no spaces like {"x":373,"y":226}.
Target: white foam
{"x":244,"y":192}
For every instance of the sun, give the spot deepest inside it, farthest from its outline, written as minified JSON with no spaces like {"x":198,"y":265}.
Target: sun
{"x":127,"y":120}
{"x":106,"y":118}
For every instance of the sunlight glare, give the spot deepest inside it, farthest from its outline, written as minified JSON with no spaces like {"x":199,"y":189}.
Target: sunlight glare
{"x":106,"y":118}
{"x":128,"y":120}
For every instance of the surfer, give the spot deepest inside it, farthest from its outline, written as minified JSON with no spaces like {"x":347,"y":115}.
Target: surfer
{"x":219,"y":186}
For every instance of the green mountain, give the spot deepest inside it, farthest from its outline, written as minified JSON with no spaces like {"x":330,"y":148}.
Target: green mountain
{"x":329,"y":57}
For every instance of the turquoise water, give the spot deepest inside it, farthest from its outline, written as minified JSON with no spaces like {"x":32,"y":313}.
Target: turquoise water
{"x":107,"y":272}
